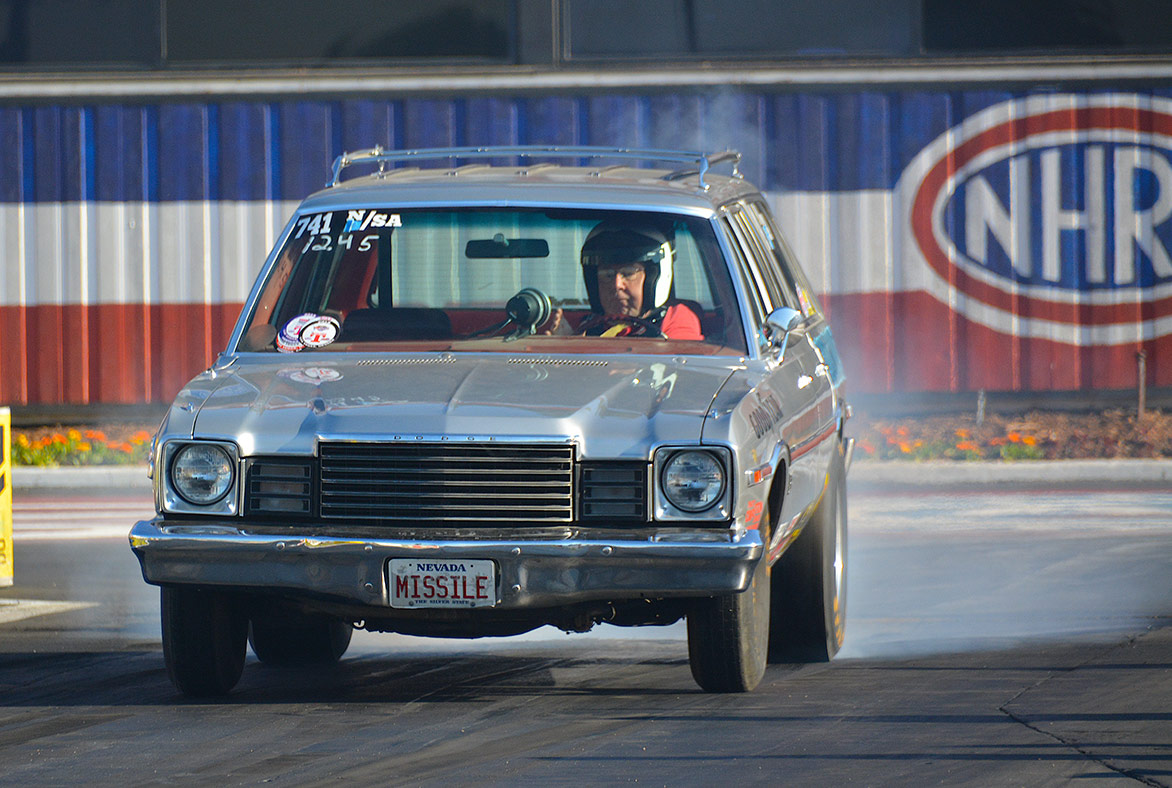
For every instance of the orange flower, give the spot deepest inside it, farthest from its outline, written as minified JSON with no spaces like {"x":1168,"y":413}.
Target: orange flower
{"x":59,"y":438}
{"x":963,"y":434}
{"x":142,"y":436}
{"x":22,"y":439}
{"x":1014,"y":437}
{"x":998,"y":442}
{"x":867,"y":446}
{"x":73,"y":435}
{"x":905,"y":447}
{"x":901,"y":432}
{"x":96,"y":435}
{"x":126,"y":447}
{"x":1029,"y":440}
{"x":968,"y":446}
{"x":83,"y":446}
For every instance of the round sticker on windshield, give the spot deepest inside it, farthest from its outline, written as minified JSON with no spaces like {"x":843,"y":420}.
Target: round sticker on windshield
{"x":285,"y":346}
{"x":292,"y":330}
{"x":320,"y":332}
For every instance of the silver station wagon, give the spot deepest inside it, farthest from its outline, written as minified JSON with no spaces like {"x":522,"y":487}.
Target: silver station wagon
{"x":474,"y":400}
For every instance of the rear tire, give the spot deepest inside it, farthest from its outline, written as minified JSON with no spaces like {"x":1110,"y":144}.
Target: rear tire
{"x":728,"y":636}
{"x":808,"y":614}
{"x":295,"y":639}
{"x":204,"y":636}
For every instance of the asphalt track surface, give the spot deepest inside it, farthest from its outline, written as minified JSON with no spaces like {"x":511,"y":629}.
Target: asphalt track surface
{"x":995,"y":636}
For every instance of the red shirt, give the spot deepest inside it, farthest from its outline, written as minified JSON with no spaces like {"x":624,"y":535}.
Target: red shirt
{"x":680,"y":322}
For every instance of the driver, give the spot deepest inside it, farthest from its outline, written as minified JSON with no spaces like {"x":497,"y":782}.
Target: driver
{"x":627,"y":269}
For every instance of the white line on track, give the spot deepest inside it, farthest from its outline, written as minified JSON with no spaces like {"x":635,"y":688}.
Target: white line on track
{"x":45,"y":520}
{"x":19,"y":609}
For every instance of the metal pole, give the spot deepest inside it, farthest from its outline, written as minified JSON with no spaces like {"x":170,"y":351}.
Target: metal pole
{"x":1141,"y":380}
{"x":6,"y":498}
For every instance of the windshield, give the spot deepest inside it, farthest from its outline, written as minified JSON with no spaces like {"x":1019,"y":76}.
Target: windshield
{"x":508,"y":280}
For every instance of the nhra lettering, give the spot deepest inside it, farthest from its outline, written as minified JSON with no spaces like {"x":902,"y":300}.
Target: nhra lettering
{"x":1049,"y":216}
{"x":1069,"y":246}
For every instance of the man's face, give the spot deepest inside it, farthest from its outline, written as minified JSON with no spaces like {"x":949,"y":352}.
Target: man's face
{"x":620,"y":289}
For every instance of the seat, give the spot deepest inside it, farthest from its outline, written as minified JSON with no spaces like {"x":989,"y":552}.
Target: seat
{"x":396,"y":324}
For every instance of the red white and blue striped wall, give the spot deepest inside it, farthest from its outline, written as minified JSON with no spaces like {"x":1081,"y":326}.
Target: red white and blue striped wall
{"x":962,"y":238}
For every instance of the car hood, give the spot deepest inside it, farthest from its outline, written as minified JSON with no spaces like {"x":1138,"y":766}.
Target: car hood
{"x":612,"y":407}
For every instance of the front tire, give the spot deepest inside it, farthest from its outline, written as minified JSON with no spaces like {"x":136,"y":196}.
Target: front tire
{"x":204,"y":635}
{"x":808,"y":615}
{"x":728,"y":637}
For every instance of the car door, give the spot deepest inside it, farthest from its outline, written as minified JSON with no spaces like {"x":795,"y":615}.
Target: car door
{"x":789,"y":382}
{"x":831,"y":377}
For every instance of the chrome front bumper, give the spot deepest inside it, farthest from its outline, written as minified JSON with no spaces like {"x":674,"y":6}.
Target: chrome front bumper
{"x":532,"y":573}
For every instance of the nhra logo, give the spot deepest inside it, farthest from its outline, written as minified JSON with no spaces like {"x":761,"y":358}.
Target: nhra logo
{"x":1049,"y":217}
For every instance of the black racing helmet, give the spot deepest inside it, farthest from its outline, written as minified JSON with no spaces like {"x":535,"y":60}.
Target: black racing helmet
{"x":617,"y":242}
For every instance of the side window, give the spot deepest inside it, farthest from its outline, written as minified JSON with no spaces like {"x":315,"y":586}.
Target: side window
{"x":757,"y":307}
{"x":750,"y":287}
{"x":795,"y":278}
{"x":759,"y":264}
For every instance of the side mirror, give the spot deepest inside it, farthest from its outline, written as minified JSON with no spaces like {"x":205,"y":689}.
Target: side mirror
{"x":783,"y":325}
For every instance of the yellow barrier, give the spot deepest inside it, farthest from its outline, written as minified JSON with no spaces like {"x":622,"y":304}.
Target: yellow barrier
{"x":6,"y":498}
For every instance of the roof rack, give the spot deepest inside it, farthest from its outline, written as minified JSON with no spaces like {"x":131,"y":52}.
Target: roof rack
{"x":698,"y":162}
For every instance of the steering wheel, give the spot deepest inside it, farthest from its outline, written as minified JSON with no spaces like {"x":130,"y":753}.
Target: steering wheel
{"x":641,"y":326}
{"x":527,"y":310}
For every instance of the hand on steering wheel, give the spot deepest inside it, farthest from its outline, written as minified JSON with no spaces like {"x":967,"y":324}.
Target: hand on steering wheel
{"x":640,"y":326}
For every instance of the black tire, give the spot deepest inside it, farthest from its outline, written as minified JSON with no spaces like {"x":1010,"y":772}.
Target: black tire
{"x":299,"y":639}
{"x":808,"y":614}
{"x":728,"y":637}
{"x":204,"y":638}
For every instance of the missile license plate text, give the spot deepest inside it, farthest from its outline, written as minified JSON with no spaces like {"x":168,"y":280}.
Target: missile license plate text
{"x":441,"y":582}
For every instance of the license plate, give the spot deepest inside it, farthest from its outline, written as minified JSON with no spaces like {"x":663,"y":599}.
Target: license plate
{"x":418,"y":583}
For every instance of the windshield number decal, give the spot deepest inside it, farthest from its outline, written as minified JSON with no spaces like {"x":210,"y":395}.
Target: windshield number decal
{"x":316,"y":224}
{"x":325,"y":243}
{"x":360,"y":220}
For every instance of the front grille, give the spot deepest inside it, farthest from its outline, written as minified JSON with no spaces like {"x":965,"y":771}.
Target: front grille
{"x":447,"y":481}
{"x":614,"y":491}
{"x":278,"y":487}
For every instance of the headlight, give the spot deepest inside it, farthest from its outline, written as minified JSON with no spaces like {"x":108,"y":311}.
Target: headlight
{"x":692,"y":480}
{"x":201,"y":473}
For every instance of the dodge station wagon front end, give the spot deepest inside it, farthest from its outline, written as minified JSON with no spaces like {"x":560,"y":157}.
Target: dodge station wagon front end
{"x":474,"y":400}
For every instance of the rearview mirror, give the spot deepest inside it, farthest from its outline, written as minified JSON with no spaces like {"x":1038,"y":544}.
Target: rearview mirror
{"x":499,"y":247}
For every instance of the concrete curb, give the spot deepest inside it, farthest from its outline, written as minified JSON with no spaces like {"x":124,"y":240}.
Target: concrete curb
{"x":1045,"y":472}
{"x":133,"y":478}
{"x":112,"y":479}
